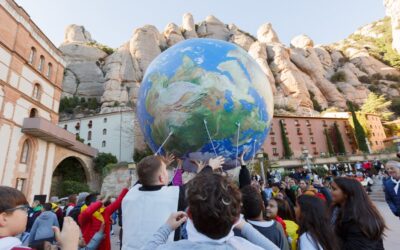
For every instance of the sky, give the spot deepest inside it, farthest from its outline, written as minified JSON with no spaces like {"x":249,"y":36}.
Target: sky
{"x":112,"y":22}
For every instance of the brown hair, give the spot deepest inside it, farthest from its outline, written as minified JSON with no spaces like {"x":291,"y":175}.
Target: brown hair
{"x":214,"y":204}
{"x":253,"y":204}
{"x":10,"y":198}
{"x":72,"y":198}
{"x":148,"y":168}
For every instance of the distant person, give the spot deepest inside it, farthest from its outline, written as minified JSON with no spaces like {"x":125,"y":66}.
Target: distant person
{"x":358,"y":224}
{"x":253,"y":210}
{"x":42,"y":229}
{"x":314,"y":229}
{"x":392,"y":187}
{"x":72,"y":199}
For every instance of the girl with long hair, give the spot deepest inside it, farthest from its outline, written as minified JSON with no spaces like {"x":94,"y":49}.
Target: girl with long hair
{"x":314,"y":229}
{"x":357,"y":222}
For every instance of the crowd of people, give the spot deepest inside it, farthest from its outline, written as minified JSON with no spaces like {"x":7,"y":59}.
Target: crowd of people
{"x":211,"y":211}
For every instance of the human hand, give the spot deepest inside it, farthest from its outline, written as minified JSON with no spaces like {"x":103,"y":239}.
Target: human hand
{"x":129,"y":182}
{"x":176,"y":219}
{"x":216,"y":163}
{"x":105,"y":199}
{"x":169,"y":158}
{"x":179,"y":163}
{"x":199,"y":164}
{"x":68,"y":238}
{"x":241,"y":157}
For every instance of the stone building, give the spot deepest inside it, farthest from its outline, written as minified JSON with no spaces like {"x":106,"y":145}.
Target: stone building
{"x":32,"y":146}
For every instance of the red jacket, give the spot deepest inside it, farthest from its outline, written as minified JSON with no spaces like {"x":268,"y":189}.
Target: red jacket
{"x":91,"y":225}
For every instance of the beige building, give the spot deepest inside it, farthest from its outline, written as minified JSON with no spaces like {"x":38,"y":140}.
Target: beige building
{"x":31,"y":143}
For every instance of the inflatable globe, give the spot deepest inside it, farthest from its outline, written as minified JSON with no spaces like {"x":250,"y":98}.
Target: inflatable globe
{"x":205,"y":97}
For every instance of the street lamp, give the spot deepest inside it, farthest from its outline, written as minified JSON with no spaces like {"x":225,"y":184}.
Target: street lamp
{"x":260,"y":157}
{"x":305,"y":154}
{"x":131,"y":168}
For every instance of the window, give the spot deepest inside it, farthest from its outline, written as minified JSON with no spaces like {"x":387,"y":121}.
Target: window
{"x":90,"y":124}
{"x":103,"y":144}
{"x":33,"y":113}
{"x":324,"y":123}
{"x":376,"y":142}
{"x":273,"y":142}
{"x":49,"y":69}
{"x":36,"y":92}
{"x":25,"y":152}
{"x":32,"y":55}
{"x":312,"y":139}
{"x":105,"y":120}
{"x":65,"y":126}
{"x":89,"y":144}
{"x":283,"y":122}
{"x":77,"y":126}
{"x":298,"y":131}
{"x":308,"y":123}
{"x":310,"y":131}
{"x":104,"y":131}
{"x":301,"y":140}
{"x":274,"y":151}
{"x":296,"y":123}
{"x":373,"y":134}
{"x":89,"y":136}
{"x":41,"y":63}
{"x":20,"y":183}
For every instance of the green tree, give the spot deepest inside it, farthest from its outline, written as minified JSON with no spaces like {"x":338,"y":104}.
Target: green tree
{"x":377,"y":104}
{"x":72,"y":187}
{"x":329,"y":143}
{"x":359,"y":131}
{"x":102,"y":160}
{"x":285,"y":141}
{"x":340,"y":143}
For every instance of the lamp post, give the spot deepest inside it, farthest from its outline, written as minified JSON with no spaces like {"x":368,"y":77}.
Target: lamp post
{"x":260,"y":157}
{"x":305,"y":154}
{"x":131,"y":168}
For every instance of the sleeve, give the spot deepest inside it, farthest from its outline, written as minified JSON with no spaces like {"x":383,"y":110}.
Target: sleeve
{"x":244,"y":176}
{"x":33,"y":231}
{"x":177,"y":180}
{"x":55,"y":221}
{"x":110,"y":209}
{"x":87,"y":214}
{"x":255,"y":237}
{"x":95,"y":241}
{"x":390,"y":202}
{"x":159,"y":238}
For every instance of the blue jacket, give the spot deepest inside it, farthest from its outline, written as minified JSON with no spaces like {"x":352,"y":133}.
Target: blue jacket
{"x":392,"y":199}
{"x":42,"y":227}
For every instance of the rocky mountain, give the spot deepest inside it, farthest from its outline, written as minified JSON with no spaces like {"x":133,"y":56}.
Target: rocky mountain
{"x":306,"y":78}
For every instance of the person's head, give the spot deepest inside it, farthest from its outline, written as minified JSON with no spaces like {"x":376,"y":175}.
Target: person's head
{"x":276,"y":187}
{"x":152,"y":171}
{"x":13,"y":211}
{"x":292,"y":182}
{"x":252,"y":203}
{"x":35,"y":203}
{"x":91,"y":198}
{"x":72,"y":198}
{"x":214,"y":204}
{"x":47,"y":207}
{"x":302,"y":185}
{"x":284,"y":210}
{"x":271,"y":211}
{"x":312,"y":218}
{"x":393,"y":169}
{"x":355,"y":205}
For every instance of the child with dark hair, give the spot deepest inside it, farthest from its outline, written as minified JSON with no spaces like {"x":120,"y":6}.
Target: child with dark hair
{"x":253,"y":210}
{"x":285,"y":211}
{"x":214,"y":210}
{"x":13,"y":218}
{"x":314,"y":229}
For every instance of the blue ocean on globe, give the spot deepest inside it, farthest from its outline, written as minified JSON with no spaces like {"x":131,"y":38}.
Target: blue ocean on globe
{"x":205,"y":97}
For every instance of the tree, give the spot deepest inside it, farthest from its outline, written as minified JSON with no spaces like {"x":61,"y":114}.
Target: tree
{"x":102,"y":160}
{"x":340,"y":143}
{"x":359,"y":131}
{"x":329,"y":142}
{"x":285,"y":141}
{"x":377,"y":104}
{"x":72,"y":187}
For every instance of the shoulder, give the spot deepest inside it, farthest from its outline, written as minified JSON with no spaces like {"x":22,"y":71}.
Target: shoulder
{"x":307,"y":242}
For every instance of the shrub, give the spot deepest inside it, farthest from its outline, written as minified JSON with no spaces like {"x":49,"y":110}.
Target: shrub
{"x":321,"y":171}
{"x":102,"y":160}
{"x":339,"y":76}
{"x":364,"y":79}
{"x":72,"y":187}
{"x":395,"y":106}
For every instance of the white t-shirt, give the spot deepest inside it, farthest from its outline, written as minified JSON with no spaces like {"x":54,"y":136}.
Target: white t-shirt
{"x":307,"y":243}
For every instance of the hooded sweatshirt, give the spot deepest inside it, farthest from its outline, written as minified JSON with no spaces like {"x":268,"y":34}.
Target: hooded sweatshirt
{"x":42,"y":228}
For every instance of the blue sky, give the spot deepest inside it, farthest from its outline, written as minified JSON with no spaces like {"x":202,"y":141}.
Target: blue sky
{"x":112,"y":22}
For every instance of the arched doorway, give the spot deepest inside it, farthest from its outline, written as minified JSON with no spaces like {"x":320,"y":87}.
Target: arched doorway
{"x":69,"y":177}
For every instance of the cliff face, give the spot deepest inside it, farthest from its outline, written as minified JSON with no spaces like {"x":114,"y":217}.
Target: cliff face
{"x":305,"y":78}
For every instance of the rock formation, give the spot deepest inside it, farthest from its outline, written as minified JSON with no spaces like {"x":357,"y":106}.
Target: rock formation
{"x":305,"y":78}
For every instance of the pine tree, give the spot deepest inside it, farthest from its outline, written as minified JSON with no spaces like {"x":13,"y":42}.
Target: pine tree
{"x":340,"y":143}
{"x":358,"y":130}
{"x":377,"y":104}
{"x":285,"y":141}
{"x":329,"y":143}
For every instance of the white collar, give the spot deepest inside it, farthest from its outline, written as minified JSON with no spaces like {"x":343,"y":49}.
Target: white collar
{"x":261,"y":223}
{"x":195,"y":236}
